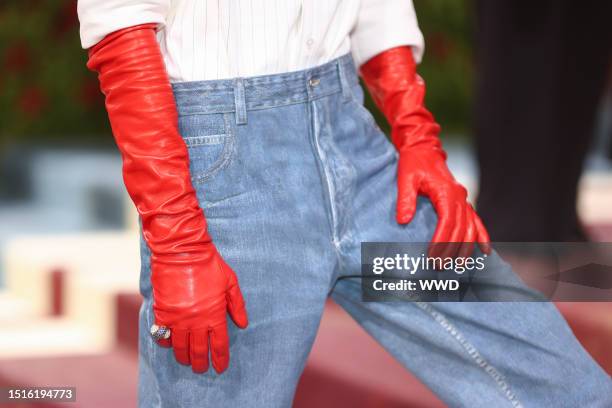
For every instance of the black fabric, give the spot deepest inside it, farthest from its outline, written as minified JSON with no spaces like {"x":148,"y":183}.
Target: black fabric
{"x":541,"y":69}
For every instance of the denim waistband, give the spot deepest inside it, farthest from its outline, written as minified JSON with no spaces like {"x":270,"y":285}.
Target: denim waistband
{"x":260,"y":92}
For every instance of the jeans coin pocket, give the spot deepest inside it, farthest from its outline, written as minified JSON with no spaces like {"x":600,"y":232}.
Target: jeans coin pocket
{"x":208,"y":142}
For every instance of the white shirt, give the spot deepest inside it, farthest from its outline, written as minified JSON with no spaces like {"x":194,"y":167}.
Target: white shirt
{"x":216,"y":39}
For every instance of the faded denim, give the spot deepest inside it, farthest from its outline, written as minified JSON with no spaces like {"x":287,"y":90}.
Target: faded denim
{"x":293,"y":174}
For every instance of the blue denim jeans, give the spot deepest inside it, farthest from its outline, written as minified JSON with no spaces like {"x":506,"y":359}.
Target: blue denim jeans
{"x":293,"y":174}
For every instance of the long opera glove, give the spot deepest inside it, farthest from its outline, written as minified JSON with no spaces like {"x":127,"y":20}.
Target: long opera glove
{"x":399,"y":92}
{"x":193,"y":288}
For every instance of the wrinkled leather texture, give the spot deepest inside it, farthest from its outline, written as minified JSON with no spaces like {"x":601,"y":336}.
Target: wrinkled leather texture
{"x":193,"y":288}
{"x":399,"y":92}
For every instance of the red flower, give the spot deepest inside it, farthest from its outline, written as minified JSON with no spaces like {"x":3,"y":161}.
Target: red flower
{"x":32,"y":101}
{"x":17,"y":57}
{"x":439,"y":46}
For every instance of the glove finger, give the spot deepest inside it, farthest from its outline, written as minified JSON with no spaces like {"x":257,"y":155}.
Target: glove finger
{"x":467,"y":244}
{"x":219,"y":348}
{"x":180,"y":344}
{"x":236,"y":306}
{"x":442,"y":235}
{"x":484,"y":242}
{"x":198,"y":350}
{"x":457,"y":232}
{"x":165,"y":342}
{"x":235,"y":302}
{"x":407,"y":191}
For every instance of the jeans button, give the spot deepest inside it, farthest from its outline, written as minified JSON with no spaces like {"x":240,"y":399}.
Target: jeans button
{"x":314,"y":82}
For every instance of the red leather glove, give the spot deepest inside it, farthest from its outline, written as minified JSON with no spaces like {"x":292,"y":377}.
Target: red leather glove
{"x":193,"y":288}
{"x":398,"y":91}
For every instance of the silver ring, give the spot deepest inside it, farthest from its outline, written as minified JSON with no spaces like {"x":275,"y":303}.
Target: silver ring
{"x":159,"y":332}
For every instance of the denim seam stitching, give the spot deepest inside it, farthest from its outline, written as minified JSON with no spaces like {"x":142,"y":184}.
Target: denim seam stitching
{"x":256,"y":80}
{"x":153,"y":352}
{"x":147,"y":305}
{"x":272,"y":104}
{"x":473,"y":353}
{"x":204,"y":140}
{"x":364,"y":113}
{"x":328,"y":183}
{"x":226,"y":155}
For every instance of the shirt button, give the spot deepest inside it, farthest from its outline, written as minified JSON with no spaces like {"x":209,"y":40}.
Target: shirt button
{"x":310,"y":42}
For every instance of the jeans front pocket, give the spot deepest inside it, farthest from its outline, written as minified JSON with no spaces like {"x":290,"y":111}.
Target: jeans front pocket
{"x":357,"y":98}
{"x":209,"y":142}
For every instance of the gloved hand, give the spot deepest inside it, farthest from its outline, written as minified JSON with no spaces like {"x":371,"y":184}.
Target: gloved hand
{"x":398,"y":91}
{"x":193,"y":288}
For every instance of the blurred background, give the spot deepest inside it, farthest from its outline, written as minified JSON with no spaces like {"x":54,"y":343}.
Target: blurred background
{"x":524,"y":97}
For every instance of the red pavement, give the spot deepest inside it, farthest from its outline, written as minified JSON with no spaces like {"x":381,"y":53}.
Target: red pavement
{"x":346,"y":367}
{"x":107,"y":380}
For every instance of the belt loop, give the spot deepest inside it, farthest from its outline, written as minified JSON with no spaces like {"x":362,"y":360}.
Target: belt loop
{"x":346,"y":90}
{"x":240,"y":102}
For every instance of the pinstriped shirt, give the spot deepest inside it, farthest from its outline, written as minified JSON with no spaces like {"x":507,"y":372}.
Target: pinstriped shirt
{"x":216,"y":39}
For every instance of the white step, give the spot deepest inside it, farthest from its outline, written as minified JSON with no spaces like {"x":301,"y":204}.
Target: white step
{"x":14,"y":308}
{"x":97,"y":267}
{"x":49,"y":337}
